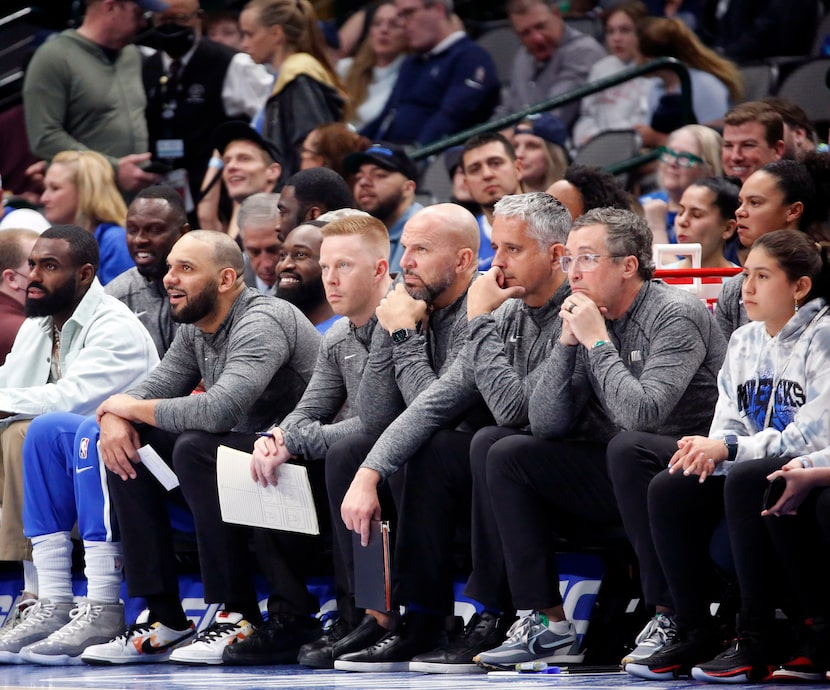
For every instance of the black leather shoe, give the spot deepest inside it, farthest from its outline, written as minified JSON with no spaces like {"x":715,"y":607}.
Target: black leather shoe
{"x":277,"y":641}
{"x":483,"y":632}
{"x":418,"y":634}
{"x":364,"y":635}
{"x":318,"y":654}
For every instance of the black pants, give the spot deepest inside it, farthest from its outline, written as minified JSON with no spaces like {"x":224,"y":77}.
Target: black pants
{"x":436,"y":501}
{"x":539,"y":489}
{"x":487,"y":583}
{"x":224,"y":554}
{"x":634,"y":459}
{"x":780,"y":561}
{"x":342,"y":461}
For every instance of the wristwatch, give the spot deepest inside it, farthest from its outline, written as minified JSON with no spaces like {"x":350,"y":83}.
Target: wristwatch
{"x":401,"y":335}
{"x":731,"y":443}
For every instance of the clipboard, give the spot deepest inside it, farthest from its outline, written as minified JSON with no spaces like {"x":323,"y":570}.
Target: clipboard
{"x":373,"y":568}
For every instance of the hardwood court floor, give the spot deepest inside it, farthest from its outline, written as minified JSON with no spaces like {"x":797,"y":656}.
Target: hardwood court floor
{"x":171,"y":677}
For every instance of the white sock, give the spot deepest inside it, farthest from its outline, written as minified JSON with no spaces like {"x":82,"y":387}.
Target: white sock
{"x":29,"y":578}
{"x":103,"y":569}
{"x":52,"y":556}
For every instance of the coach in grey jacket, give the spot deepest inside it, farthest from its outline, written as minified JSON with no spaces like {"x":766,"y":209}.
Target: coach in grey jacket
{"x":255,"y":354}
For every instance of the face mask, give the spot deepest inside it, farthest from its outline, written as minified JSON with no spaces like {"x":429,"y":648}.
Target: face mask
{"x":173,"y":39}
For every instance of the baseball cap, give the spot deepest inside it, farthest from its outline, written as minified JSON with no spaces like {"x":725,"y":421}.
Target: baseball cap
{"x":452,"y":159}
{"x":152,"y":5}
{"x":544,"y":125}
{"x":235,"y":131}
{"x":387,"y":156}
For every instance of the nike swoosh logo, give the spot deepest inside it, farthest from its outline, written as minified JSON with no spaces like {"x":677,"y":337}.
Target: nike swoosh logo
{"x":78,"y":470}
{"x":350,"y":356}
{"x":140,"y":313}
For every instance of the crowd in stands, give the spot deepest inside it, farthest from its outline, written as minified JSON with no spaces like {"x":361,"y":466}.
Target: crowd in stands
{"x":229,"y":244}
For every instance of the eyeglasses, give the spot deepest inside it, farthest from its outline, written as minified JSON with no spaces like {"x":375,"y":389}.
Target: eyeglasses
{"x":585,"y":262}
{"x":681,"y":158}
{"x":23,"y":275}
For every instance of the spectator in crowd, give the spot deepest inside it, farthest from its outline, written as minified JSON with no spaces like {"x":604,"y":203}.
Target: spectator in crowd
{"x":284,"y":35}
{"x":750,"y":30}
{"x":258,"y":221}
{"x":155,"y":222}
{"x":76,"y":347}
{"x":193,"y":85}
{"x":460,"y":190}
{"x":385,"y":183}
{"x":447,"y":84}
{"x":492,"y":171}
{"x":553,"y":59}
{"x":222,"y":26}
{"x":300,"y":276}
{"x":753,"y":135}
{"x":80,"y":189}
{"x":626,"y":105}
{"x":329,"y":145}
{"x":310,"y":193}
{"x":779,"y":196}
{"x":15,"y":247}
{"x":583,"y":188}
{"x":255,"y":355}
{"x":707,"y":217}
{"x":248,"y":164}
{"x":771,"y":412}
{"x":438,"y":266}
{"x":799,"y":134}
{"x":356,"y":278}
{"x":66,"y":109}
{"x":370,"y":75}
{"x":616,"y":320}
{"x":539,"y":142}
{"x":715,"y":81}
{"x":691,"y":153}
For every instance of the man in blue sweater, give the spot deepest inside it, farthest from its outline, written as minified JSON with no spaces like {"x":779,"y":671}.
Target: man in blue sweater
{"x":448,"y":84}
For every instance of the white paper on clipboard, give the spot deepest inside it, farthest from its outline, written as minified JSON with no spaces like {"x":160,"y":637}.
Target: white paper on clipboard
{"x":287,"y":506}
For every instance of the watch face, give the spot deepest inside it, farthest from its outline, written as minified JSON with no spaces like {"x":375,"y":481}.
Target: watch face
{"x":401,"y":335}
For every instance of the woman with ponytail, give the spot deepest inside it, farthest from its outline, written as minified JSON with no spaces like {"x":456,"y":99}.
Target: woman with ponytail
{"x":284,"y":35}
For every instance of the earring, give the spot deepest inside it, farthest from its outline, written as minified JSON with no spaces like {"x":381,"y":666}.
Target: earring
{"x":796,"y":306}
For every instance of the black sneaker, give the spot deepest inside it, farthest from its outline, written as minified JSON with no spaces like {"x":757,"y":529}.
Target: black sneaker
{"x":277,"y":641}
{"x":812,"y":658}
{"x":318,"y":653}
{"x":483,"y":632}
{"x":675,"y":659}
{"x":364,"y":635}
{"x":418,"y":633}
{"x":744,"y":661}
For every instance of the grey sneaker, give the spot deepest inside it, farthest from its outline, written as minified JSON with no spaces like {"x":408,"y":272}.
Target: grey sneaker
{"x":38,"y":621}
{"x":92,"y":623}
{"x":530,"y":639}
{"x":659,"y":631}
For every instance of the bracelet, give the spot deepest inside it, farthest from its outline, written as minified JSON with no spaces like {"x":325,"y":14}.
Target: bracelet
{"x":215,"y":162}
{"x":600,"y":343}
